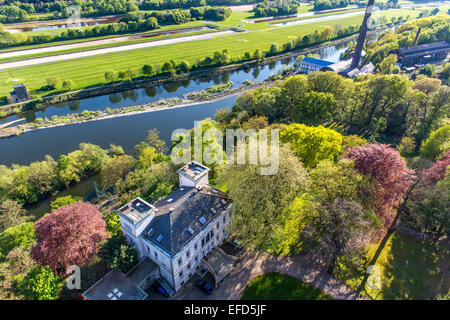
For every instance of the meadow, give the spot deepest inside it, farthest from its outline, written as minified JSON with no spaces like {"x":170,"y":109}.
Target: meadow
{"x":88,"y":72}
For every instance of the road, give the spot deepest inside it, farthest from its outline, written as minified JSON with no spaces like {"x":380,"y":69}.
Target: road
{"x":95,"y":52}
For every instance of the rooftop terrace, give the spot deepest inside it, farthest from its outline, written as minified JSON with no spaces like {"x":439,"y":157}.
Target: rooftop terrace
{"x":137,"y":210}
{"x":193,"y":170}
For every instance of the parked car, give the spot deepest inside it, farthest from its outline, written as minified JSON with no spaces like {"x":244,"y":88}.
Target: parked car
{"x":158,"y":288}
{"x":204,"y":286}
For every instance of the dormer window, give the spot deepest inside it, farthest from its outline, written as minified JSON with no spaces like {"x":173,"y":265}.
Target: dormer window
{"x":160,"y":237}
{"x":202,"y":220}
{"x":190,"y":230}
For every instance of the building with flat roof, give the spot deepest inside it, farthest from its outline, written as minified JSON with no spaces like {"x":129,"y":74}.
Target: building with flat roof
{"x":422,"y":54}
{"x":179,"y":231}
{"x":310,"y":64}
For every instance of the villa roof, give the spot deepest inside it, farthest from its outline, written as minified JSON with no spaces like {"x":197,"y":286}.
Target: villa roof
{"x":183,"y":214}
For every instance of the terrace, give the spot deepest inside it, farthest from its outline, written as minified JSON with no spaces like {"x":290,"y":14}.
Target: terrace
{"x":137,"y":210}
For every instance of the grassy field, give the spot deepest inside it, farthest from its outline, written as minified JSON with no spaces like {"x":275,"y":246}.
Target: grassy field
{"x":277,"y":286}
{"x":90,"y":71}
{"x":410,"y":269}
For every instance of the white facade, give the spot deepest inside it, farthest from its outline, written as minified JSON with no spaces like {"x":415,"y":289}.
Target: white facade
{"x":177,"y":269}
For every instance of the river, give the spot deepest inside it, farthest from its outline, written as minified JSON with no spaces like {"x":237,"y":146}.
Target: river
{"x":127,"y":131}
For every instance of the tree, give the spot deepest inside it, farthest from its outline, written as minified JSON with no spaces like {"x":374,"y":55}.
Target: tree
{"x":113,"y":225}
{"x":315,"y":108}
{"x":115,"y":151}
{"x":40,"y":284}
{"x":184,"y":66}
{"x":428,"y":70}
{"x":43,"y":175}
{"x":437,"y":143}
{"x":391,"y":177}
{"x":333,"y":227}
{"x":12,"y":214}
{"x":430,"y":208}
{"x":261,"y":200}
{"x":52,"y":82}
{"x":330,"y":181}
{"x":351,"y":141}
{"x":387,"y":65}
{"x":146,"y":157}
{"x":407,"y":146}
{"x":118,"y":254}
{"x":167,"y":67}
{"x":115,"y":169}
{"x":67,"y":84}
{"x":312,"y":144}
{"x":64,"y":201}
{"x":17,"y":264}
{"x":273,"y":49}
{"x":257,"y":55}
{"x":70,"y":235}
{"x":22,"y":235}
{"x":147,"y":70}
{"x":110,"y":76}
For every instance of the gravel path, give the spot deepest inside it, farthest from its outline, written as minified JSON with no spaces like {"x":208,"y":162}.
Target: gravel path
{"x":89,"y":53}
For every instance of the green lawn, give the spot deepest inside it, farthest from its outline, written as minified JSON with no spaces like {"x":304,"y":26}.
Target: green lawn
{"x":277,"y":286}
{"x":90,"y":71}
{"x":410,"y":269}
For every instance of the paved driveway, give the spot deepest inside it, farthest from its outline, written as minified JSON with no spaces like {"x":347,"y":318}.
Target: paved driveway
{"x":253,"y":264}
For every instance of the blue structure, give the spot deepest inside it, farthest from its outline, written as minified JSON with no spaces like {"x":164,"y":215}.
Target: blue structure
{"x":310,"y":64}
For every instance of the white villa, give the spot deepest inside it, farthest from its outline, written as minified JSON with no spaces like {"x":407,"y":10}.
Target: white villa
{"x":179,"y":231}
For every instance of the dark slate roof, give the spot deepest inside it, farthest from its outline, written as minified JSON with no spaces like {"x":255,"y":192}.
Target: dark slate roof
{"x":20,"y":91}
{"x":423,"y":48}
{"x":175,"y":217}
{"x":318,"y":62}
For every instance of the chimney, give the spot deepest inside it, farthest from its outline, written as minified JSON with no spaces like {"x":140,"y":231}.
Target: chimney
{"x":417,"y":37}
{"x":362,"y":35}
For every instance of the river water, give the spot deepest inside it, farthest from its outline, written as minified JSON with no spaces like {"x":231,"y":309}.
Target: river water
{"x":127,"y":131}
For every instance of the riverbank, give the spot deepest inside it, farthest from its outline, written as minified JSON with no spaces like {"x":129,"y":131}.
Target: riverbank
{"x":39,"y":104}
{"x":210,"y":95}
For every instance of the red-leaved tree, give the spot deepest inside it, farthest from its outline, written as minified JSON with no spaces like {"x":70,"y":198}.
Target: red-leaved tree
{"x":391,"y":177}
{"x":437,"y":171}
{"x":69,"y":236}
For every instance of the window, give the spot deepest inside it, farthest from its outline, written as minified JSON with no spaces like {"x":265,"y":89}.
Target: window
{"x":179,"y":262}
{"x":203,"y":242}
{"x":188,"y":254}
{"x":189,"y":266}
{"x":223,"y":219}
{"x":218,"y":225}
{"x":195,"y":246}
{"x":180,"y":274}
{"x":196,"y":259}
{"x":156,"y":254}
{"x":207,"y":238}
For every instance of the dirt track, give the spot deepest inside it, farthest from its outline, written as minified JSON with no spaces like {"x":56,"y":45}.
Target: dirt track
{"x":89,"y":53}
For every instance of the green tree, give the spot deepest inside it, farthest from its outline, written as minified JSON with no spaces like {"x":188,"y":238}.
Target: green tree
{"x":387,"y":65}
{"x":260,"y":201}
{"x":12,"y":214}
{"x":115,"y":169}
{"x":437,"y":143}
{"x":67,"y":84}
{"x":64,"y":201}
{"x":312,"y":144}
{"x":110,"y":76}
{"x":315,"y":108}
{"x":22,"y":235}
{"x":147,"y":70}
{"x":40,"y":284}
{"x":113,"y":225}
{"x":118,"y":254}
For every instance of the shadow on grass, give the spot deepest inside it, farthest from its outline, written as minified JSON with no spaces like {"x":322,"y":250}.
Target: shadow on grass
{"x":277,"y":286}
{"x":415,"y":269}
